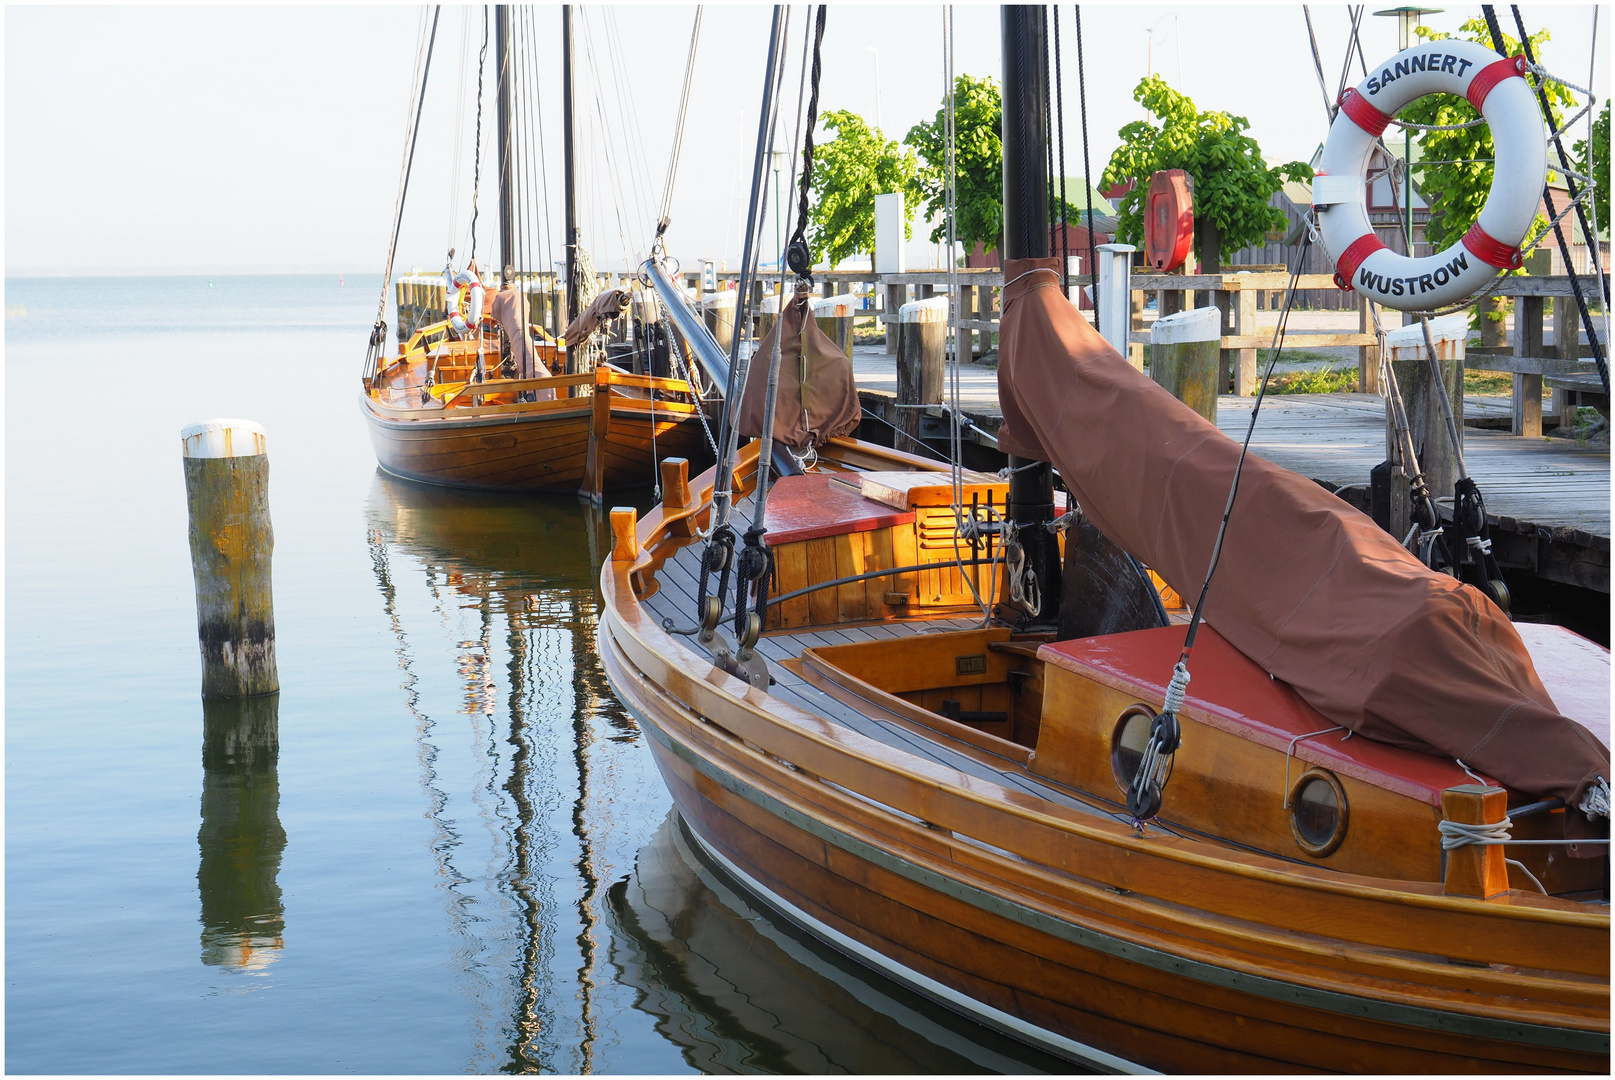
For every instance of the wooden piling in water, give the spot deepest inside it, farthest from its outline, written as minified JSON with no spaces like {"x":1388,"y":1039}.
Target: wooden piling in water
{"x":227,"y":493}
{"x":921,"y":344}
{"x":1427,"y":421}
{"x":1185,"y":355}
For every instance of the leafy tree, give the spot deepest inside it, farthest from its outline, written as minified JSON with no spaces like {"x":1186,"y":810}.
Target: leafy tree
{"x":1456,"y":192}
{"x":848,"y":172}
{"x":1598,"y":168}
{"x":1232,"y":184}
{"x":978,"y":162}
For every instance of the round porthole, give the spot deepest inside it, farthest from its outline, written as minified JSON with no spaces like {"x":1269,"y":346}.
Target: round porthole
{"x":1318,"y":813}
{"x":1127,"y":743}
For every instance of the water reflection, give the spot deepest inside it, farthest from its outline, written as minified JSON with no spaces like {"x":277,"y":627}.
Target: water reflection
{"x":738,"y":990}
{"x":514,"y":810}
{"x":586,"y":939}
{"x":241,"y":839}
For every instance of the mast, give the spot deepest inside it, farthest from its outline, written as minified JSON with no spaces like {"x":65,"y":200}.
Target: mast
{"x":570,"y":231}
{"x":507,"y":186}
{"x":1024,"y":36}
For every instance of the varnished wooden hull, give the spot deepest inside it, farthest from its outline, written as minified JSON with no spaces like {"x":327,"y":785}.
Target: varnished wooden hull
{"x":1123,"y":950}
{"x":547,"y":452}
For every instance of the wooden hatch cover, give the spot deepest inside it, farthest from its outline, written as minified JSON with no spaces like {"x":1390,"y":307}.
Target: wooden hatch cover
{"x":1168,"y":219}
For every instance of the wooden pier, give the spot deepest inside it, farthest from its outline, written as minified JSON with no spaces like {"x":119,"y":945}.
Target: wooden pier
{"x":1547,"y":500}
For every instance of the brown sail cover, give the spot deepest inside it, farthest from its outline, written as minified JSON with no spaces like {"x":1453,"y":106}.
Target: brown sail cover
{"x":608,"y":305}
{"x":1308,"y":587}
{"x":817,"y":399}
{"x":509,"y":309}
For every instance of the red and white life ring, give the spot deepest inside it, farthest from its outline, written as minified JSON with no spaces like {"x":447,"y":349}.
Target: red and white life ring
{"x":464,"y":296}
{"x":1497,"y":88}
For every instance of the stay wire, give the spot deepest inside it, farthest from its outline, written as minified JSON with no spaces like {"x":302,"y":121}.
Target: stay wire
{"x":800,"y":235}
{"x":1059,"y":123}
{"x":1547,"y":195}
{"x":476,"y":172}
{"x":378,"y":336}
{"x":1048,"y":133}
{"x":1256,"y":407}
{"x":678,"y":131}
{"x":1082,"y":93}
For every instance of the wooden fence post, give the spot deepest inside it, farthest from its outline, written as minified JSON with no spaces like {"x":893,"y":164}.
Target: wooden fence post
{"x":232,"y":540}
{"x":1426,"y":420}
{"x":1367,"y":355}
{"x":1527,"y":394}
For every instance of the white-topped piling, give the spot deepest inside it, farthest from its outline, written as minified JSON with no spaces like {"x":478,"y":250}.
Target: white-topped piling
{"x":835,"y":315}
{"x":232,"y":540}
{"x":1184,"y":349}
{"x":718,"y":308}
{"x":922,"y":336}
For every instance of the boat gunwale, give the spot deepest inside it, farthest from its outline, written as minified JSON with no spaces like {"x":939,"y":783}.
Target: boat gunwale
{"x":1483,"y":1021}
{"x":734,"y":694}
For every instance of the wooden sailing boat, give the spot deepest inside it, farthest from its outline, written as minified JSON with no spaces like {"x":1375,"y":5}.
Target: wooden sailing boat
{"x":469,"y":401}
{"x":950,"y":801}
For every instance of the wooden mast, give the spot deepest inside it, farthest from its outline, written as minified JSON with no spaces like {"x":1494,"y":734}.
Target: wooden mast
{"x":568,"y":171}
{"x":1024,"y":36}
{"x":507,"y":186}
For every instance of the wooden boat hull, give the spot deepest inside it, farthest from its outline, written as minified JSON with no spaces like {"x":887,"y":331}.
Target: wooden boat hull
{"x":1117,"y":948}
{"x":1071,"y":989}
{"x":559,"y":450}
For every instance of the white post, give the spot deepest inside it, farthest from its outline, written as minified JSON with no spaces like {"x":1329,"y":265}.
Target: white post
{"x":1113,"y":303}
{"x":890,"y":253}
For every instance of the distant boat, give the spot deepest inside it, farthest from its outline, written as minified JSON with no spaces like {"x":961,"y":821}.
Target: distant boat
{"x":339,"y":280}
{"x":470,"y":400}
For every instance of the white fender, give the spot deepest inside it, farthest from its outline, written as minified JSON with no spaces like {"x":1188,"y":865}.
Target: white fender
{"x":1496,"y":87}
{"x":464,"y":295}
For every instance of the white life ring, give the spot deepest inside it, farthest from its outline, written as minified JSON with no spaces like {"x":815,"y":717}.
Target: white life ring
{"x":1497,"y":88}
{"x":464,"y":296}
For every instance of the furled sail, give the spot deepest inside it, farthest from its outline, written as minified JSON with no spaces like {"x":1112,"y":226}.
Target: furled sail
{"x":817,"y":398}
{"x":1308,"y":587}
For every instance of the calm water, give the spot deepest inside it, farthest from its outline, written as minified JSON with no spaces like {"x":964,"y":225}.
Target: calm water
{"x":460,"y":858}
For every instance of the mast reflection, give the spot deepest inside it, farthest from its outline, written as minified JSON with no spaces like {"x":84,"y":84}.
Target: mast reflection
{"x":241,"y":838}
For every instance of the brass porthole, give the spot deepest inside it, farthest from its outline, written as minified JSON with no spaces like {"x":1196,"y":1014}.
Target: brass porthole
{"x":1318,"y":812}
{"x":1127,"y":743}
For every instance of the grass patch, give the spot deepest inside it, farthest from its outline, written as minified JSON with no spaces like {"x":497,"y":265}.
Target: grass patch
{"x":1488,"y":383}
{"x":1294,"y":356}
{"x":1324,"y":381}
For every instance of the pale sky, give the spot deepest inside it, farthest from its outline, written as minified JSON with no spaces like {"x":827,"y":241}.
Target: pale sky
{"x":269,"y":139}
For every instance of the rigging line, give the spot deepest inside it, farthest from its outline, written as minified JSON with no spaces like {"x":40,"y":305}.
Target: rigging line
{"x":728,"y":429}
{"x":678,"y":127}
{"x":543,"y":177}
{"x":1059,"y":109}
{"x":1048,"y":134}
{"x":765,"y":448}
{"x":458,"y":145}
{"x":605,"y":145}
{"x":1345,"y":66}
{"x":1082,"y":91}
{"x":1256,"y":407}
{"x":1317,"y":61}
{"x":476,"y":179}
{"x":1592,"y":209}
{"x":639,"y":171}
{"x":1547,"y":197}
{"x":403,"y":188}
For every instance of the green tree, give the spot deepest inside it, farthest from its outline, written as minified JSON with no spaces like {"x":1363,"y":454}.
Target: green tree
{"x":1232,"y":184}
{"x":1598,"y":167}
{"x":848,"y":172}
{"x":1456,"y":192}
{"x":978,"y":162}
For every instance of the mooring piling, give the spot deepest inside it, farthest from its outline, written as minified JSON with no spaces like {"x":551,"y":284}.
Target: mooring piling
{"x":227,"y":493}
{"x":921,"y":346}
{"x":1183,"y":357}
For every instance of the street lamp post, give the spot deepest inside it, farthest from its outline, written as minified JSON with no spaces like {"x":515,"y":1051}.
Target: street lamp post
{"x":1406,"y":19}
{"x":780,"y":158}
{"x":873,"y":49}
